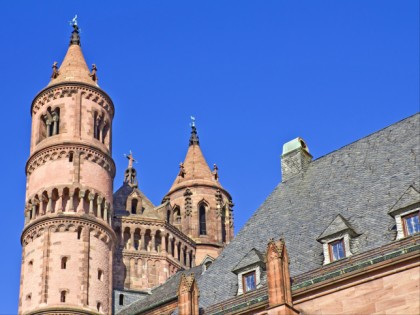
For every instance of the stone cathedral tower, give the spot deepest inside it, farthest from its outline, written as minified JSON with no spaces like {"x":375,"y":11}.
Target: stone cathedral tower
{"x":67,"y":240}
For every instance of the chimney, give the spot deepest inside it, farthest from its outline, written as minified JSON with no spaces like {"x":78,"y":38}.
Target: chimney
{"x":295,"y":158}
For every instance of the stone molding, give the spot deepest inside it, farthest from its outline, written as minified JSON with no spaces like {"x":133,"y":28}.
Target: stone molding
{"x":67,"y":223}
{"x":67,"y":90}
{"x":56,"y":152}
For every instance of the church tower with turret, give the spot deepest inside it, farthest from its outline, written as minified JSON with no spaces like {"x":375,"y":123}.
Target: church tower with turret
{"x":200,"y":207}
{"x":67,"y":240}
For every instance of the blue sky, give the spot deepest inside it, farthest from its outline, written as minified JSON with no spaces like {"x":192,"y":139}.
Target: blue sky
{"x":255,"y":74}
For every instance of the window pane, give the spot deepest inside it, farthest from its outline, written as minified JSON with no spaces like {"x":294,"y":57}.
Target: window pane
{"x":338,"y":250}
{"x":413,"y":225}
{"x":250,"y":282}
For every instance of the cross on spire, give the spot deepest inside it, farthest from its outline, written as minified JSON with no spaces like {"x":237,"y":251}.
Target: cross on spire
{"x":130,"y":159}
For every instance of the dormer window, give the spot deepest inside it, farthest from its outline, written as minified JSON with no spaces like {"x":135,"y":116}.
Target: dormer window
{"x":337,"y":250}
{"x":411,"y":223}
{"x":336,"y":240}
{"x":406,"y":212}
{"x":249,"y":271}
{"x":249,"y":282}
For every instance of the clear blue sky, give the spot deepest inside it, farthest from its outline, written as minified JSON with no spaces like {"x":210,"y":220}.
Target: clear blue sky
{"x":255,"y":74}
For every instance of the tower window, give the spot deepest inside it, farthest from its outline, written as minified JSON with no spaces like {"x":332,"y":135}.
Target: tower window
{"x":134,"y":203}
{"x":99,"y":306}
{"x":100,"y":275}
{"x":64,"y":262}
{"x":202,"y":218}
{"x":30,"y":265}
{"x":79,"y":233}
{"x":121,"y":299}
{"x":249,"y":281}
{"x":50,"y":123}
{"x":411,"y":223}
{"x":71,"y":157}
{"x":336,"y":250}
{"x":63,"y":296}
{"x":29,"y":298}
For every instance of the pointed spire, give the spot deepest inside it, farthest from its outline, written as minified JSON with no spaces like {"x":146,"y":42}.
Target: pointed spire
{"x":194,"y":136}
{"x":74,"y":67}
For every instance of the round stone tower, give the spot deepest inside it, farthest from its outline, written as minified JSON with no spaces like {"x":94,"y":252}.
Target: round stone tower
{"x":67,"y":240}
{"x":201,"y":207}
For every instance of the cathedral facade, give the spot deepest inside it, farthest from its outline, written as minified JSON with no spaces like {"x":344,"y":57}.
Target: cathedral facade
{"x":338,"y":235}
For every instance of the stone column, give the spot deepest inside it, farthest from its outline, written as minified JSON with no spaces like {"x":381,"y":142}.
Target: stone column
{"x":143,"y":240}
{"x":132,"y":238}
{"x":105,"y":218}
{"x":176,"y":254}
{"x":153,"y":241}
{"x":70,"y":204}
{"x":163,"y":243}
{"x":91,"y":198}
{"x":81,"y":196}
{"x":188,"y":264}
{"x":99,"y":206}
{"x":49,"y":204}
{"x":59,"y":203}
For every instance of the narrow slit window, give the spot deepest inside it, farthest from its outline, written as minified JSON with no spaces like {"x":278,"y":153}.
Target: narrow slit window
{"x":121,"y":299}
{"x":100,"y":275}
{"x":134,"y":203}
{"x":64,"y":262}
{"x":63,"y":296}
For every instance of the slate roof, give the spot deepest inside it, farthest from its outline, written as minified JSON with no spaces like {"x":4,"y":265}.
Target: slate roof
{"x":361,"y":181}
{"x":165,"y":292}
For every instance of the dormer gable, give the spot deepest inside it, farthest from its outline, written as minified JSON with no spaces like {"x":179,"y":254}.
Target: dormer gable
{"x":406,"y":212}
{"x":336,"y":238}
{"x":249,"y":271}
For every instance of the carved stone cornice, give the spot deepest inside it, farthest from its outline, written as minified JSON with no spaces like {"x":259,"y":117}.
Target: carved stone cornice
{"x":68,"y":89}
{"x":65,"y":222}
{"x":61,"y":151}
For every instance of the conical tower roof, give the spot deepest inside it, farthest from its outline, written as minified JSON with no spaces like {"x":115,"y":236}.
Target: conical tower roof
{"x":194,"y":170}
{"x":74,"y":67}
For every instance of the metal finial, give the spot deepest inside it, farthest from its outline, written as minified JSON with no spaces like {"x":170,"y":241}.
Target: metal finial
{"x":73,"y":21}
{"x":194,"y":135}
{"x":75,"y":38}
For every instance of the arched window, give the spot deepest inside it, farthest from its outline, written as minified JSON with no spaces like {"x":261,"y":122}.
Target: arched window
{"x":202,"y":218}
{"x":63,"y":296}
{"x":64,"y":262}
{"x":99,"y":306}
{"x":134,"y":203}
{"x":177,"y":215}
{"x":50,"y":123}
{"x":121,"y":299}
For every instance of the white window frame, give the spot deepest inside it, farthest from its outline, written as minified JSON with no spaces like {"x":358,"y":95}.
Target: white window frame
{"x":243,"y":272}
{"x":326,"y":244}
{"x":399,"y":222}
